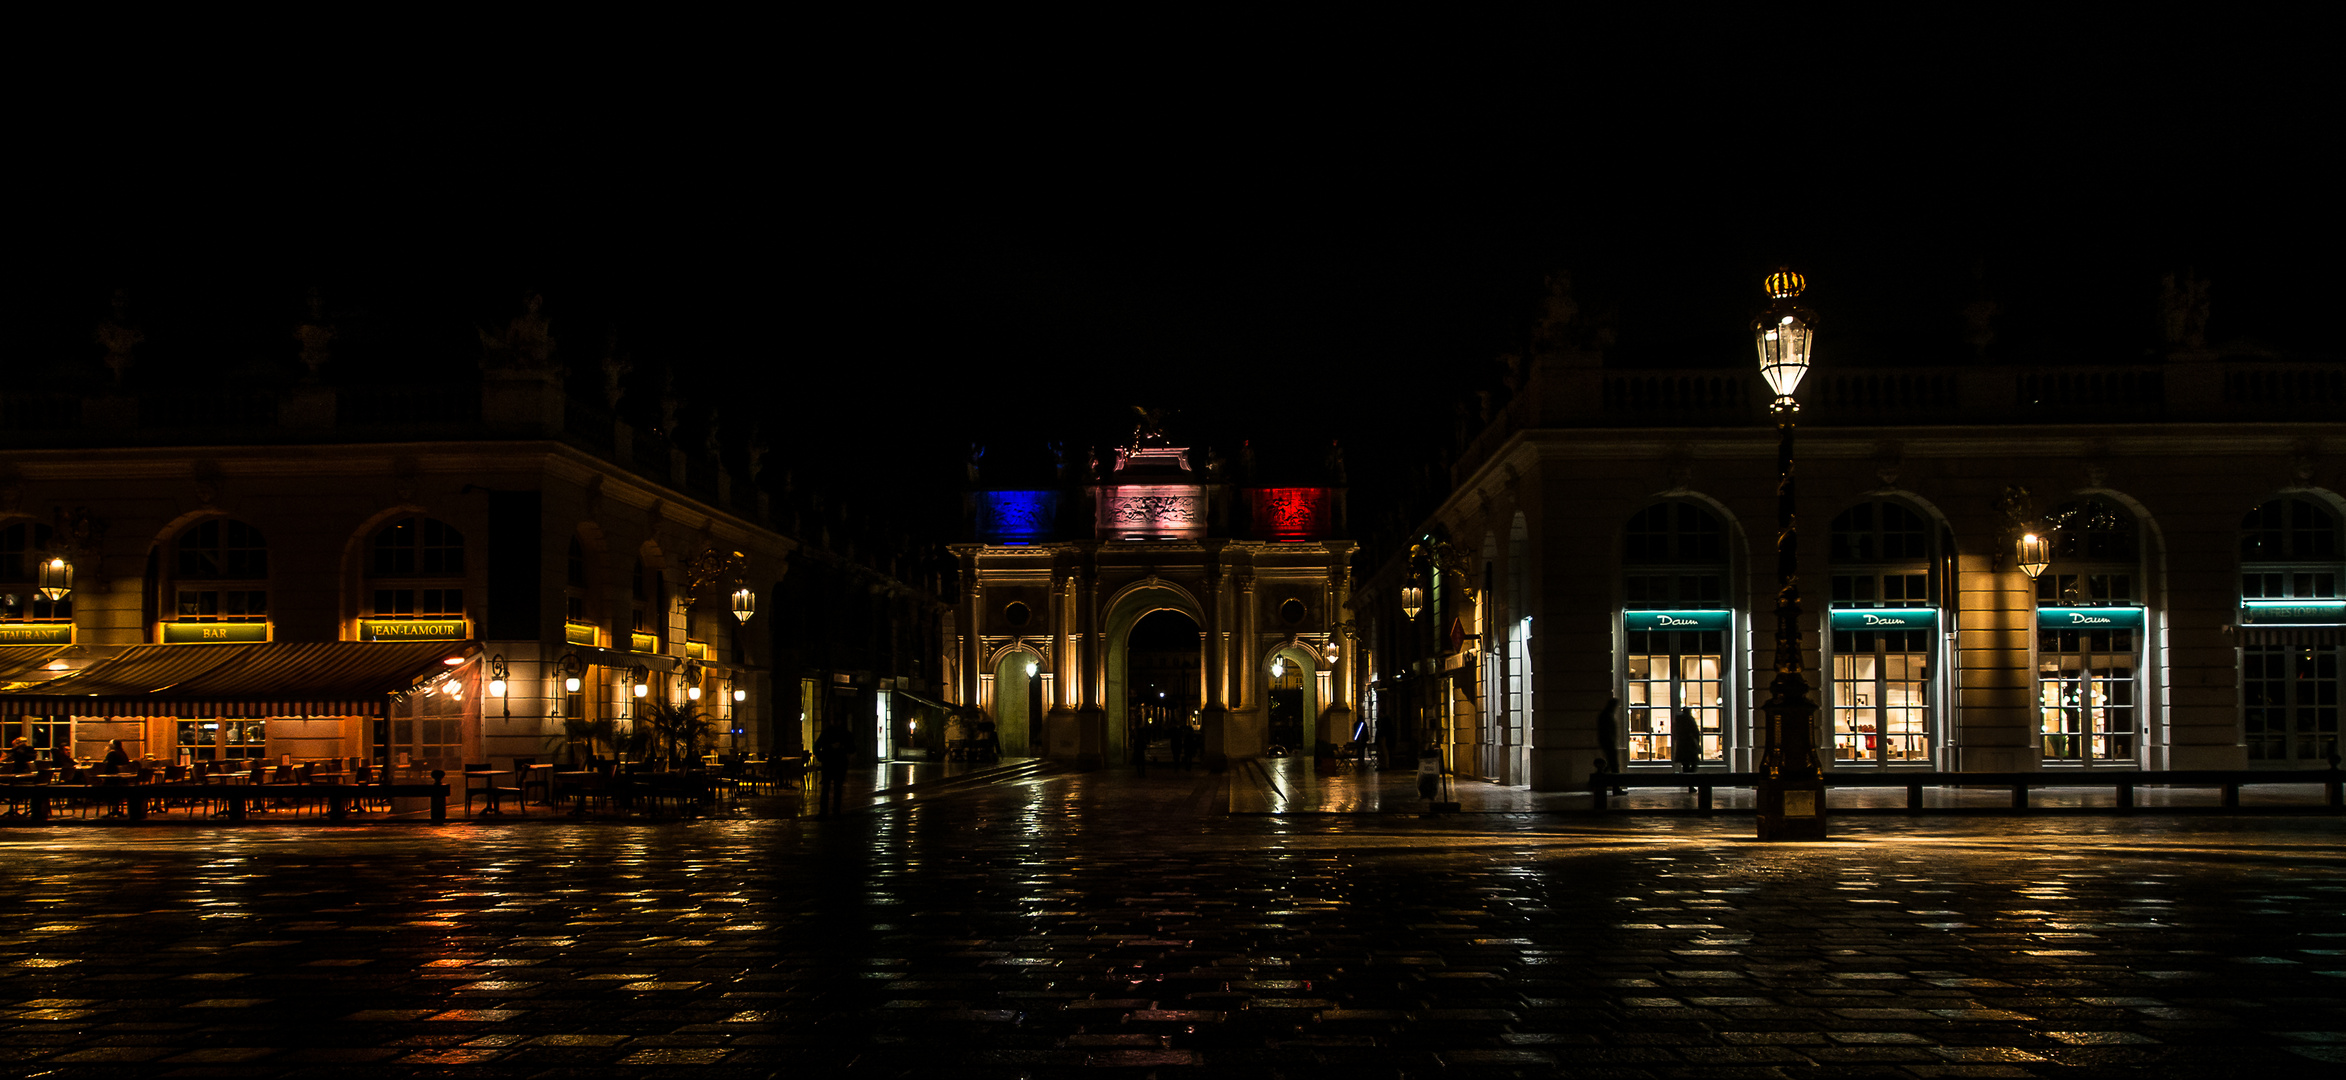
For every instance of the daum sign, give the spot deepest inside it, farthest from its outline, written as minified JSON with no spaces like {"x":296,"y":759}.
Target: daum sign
{"x":412,"y":629}
{"x":1886,"y":619}
{"x":1152,"y":512}
{"x":2293,"y":612}
{"x":2089,"y":618}
{"x":1678,"y":620}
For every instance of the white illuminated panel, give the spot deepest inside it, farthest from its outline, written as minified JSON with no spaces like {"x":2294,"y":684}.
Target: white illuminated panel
{"x":1152,"y":512}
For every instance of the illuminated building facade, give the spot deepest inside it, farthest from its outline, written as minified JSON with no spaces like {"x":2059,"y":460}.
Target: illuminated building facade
{"x":1610,"y":536}
{"x":418,"y":576}
{"x":1061,"y":573}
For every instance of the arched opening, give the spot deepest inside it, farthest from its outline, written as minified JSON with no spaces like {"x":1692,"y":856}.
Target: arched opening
{"x":1884,"y":634}
{"x":1163,"y":688}
{"x":1676,"y":625}
{"x":1018,"y":702}
{"x":2292,"y":568}
{"x":1291,"y":699}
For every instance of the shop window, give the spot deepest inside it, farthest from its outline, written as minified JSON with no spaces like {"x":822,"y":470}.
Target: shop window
{"x":2290,"y":571}
{"x":222,"y":740}
{"x":1675,"y":631}
{"x":2090,"y":623}
{"x":46,"y":733}
{"x":22,"y":548}
{"x":427,"y":728}
{"x":1884,"y":649}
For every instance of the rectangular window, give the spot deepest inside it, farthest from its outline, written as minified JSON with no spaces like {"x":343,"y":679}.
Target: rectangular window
{"x":2289,"y":695}
{"x":2086,"y":696}
{"x":1881,"y":696}
{"x":222,"y":740}
{"x":393,"y":603}
{"x":48,"y":733}
{"x":223,"y":605}
{"x":1670,"y":671}
{"x":427,"y":730}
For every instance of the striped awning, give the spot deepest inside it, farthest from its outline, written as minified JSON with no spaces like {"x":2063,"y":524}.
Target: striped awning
{"x":245,"y":681}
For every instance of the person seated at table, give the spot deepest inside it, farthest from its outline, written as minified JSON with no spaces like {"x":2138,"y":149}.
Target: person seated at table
{"x":21,"y":755}
{"x":116,"y":758}
{"x":61,"y":755}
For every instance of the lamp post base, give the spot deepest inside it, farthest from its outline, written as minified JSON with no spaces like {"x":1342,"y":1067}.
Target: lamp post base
{"x":1791,"y":810}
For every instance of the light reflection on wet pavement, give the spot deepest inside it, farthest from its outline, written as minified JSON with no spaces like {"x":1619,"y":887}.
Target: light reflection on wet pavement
{"x":1065,"y":924}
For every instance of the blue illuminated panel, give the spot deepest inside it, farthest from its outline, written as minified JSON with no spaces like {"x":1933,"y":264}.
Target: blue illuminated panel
{"x":1016,"y":517}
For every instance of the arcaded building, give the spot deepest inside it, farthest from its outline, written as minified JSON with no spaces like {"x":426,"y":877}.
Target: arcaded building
{"x":1610,"y":536}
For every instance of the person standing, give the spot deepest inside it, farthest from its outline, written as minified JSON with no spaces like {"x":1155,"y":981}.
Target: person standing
{"x":831,"y":752}
{"x":1609,"y":741}
{"x":1685,"y":741}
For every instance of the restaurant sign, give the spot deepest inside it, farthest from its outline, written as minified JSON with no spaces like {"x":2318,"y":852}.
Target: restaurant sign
{"x":412,"y":630}
{"x":219,"y":633}
{"x":638,"y":641}
{"x":2089,"y":618}
{"x":2308,"y":612}
{"x":56,"y":633}
{"x":1678,"y":620}
{"x":578,"y":633}
{"x":1886,"y":619}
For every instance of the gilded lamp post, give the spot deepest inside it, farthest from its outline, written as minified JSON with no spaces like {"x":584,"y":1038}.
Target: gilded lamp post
{"x":1791,"y":782}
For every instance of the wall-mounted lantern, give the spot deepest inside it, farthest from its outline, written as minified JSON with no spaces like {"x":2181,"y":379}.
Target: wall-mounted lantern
{"x":2035,"y":554}
{"x":56,"y":579}
{"x":571,"y":670}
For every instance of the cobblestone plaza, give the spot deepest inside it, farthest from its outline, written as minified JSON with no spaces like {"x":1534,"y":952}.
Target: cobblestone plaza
{"x":1104,"y":923}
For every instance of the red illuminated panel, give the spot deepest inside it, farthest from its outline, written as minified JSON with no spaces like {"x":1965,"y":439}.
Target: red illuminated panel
{"x":1292,"y":513}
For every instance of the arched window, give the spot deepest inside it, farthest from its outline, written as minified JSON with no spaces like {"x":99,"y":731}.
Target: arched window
{"x":577,"y":628}
{"x":2290,"y":618}
{"x":220,"y":573}
{"x":416,"y":567}
{"x":2090,"y":624}
{"x":1884,"y":639}
{"x":22,"y":547}
{"x":1676,"y":624}
{"x":649,"y":590}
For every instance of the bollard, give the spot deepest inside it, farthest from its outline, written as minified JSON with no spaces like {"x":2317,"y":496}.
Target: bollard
{"x":235,"y":802}
{"x":337,"y":804}
{"x":2232,"y":795}
{"x":2020,"y":795}
{"x":439,"y":795}
{"x":40,"y":807}
{"x":1703,"y":798}
{"x":2125,"y":794}
{"x":2337,"y":791}
{"x":1597,"y":793}
{"x":1914,"y":796}
{"x":138,"y":804}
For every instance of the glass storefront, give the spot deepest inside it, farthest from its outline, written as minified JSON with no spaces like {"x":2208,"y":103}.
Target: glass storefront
{"x":1882,"y":690}
{"x":2088,"y":693}
{"x":1676,"y":661}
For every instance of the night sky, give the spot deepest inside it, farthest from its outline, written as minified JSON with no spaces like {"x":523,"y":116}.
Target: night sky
{"x":1291,"y":276}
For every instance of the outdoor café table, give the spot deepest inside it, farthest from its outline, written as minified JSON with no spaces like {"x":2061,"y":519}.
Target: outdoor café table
{"x":488,"y":774}
{"x":572,"y":783}
{"x":540,"y":774}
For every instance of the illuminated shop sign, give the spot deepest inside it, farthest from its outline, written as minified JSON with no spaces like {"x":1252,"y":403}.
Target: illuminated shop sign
{"x":1152,"y":512}
{"x":638,"y":641}
{"x":2089,"y":618}
{"x":198,"y":633}
{"x":1291,"y":513}
{"x":578,"y":633}
{"x":2293,"y":612}
{"x":1016,"y":517}
{"x":412,"y":630}
{"x":60,"y":633}
{"x":1678,"y":620}
{"x":1886,"y":619}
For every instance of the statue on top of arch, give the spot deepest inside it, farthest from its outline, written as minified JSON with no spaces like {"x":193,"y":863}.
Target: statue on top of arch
{"x":526,"y":343}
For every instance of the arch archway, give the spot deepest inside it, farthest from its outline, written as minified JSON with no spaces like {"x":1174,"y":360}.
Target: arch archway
{"x":1125,"y":613}
{"x":1291,"y":698}
{"x":1018,"y":699}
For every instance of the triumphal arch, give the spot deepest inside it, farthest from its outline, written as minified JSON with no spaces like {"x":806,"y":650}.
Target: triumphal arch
{"x":1158,"y":600}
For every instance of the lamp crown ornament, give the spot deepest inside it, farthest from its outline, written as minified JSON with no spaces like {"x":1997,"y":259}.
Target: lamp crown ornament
{"x":1785,"y":284}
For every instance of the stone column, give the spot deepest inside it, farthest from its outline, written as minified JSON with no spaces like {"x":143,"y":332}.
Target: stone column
{"x":1091,"y":720}
{"x":1336,"y":719}
{"x":1246,"y":641}
{"x":1214,"y":718}
{"x":1059,"y":724}
{"x":971,"y":606}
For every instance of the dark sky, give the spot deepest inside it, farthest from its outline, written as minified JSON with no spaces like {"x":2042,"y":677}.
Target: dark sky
{"x":879,"y":290}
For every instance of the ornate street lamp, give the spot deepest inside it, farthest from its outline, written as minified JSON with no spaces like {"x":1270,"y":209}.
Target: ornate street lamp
{"x":1413,"y":600}
{"x":2035,"y":554}
{"x":1791,"y":782}
{"x":56,"y":579}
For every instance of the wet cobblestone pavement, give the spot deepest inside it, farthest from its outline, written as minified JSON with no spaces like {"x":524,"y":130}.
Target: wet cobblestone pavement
{"x":1103,"y":924}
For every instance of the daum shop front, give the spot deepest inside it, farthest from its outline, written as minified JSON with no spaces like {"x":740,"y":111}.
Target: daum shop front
{"x":1676,"y":661}
{"x":2089,"y":692}
{"x":1884,"y":697}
